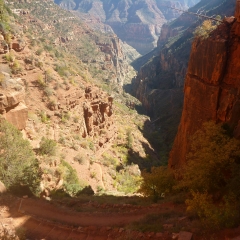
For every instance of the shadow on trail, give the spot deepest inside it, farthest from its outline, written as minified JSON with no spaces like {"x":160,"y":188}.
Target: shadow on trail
{"x":84,"y":217}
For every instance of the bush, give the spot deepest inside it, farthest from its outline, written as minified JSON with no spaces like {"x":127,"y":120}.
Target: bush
{"x":16,"y":67}
{"x":129,"y":139}
{"x":71,"y":182}
{"x":48,"y":147}
{"x":9,"y":57}
{"x":80,"y":159}
{"x":48,"y":91}
{"x":205,"y":29}
{"x":41,"y":82}
{"x":214,"y":156}
{"x":18,"y":165}
{"x":39,"y":51}
{"x":43,"y":117}
{"x":158,"y":182}
{"x":212,"y":215}
{"x":212,"y":175}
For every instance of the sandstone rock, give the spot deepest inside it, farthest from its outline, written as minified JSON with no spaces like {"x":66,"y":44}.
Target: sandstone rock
{"x":15,"y":97}
{"x":237,"y":11}
{"x":229,"y":20}
{"x":2,"y":188}
{"x":210,"y":77}
{"x":18,"y":116}
{"x":175,"y":235}
{"x":185,"y":235}
{"x":16,"y":46}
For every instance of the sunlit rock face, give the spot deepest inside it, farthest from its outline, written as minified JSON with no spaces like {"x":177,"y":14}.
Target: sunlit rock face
{"x":212,"y":86}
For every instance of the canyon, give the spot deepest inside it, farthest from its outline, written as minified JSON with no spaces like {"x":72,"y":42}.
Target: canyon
{"x":62,"y":82}
{"x":160,"y":81}
{"x":138,"y":23}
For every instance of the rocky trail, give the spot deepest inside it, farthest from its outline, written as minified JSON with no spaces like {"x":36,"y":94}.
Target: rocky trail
{"x":45,"y":220}
{"x":39,"y":219}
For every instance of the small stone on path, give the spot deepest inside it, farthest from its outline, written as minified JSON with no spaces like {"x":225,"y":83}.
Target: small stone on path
{"x":185,"y":235}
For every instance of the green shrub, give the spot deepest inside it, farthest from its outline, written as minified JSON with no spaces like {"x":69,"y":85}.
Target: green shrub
{"x":47,"y":147}
{"x":212,"y":175}
{"x":41,"y":82}
{"x":18,"y":165}
{"x":9,"y":57}
{"x":214,"y":154}
{"x":157,"y":182}
{"x":71,"y":182}
{"x":212,"y":215}
{"x":80,"y":159}
{"x":16,"y":67}
{"x":48,"y":91}
{"x":39,"y":51}
{"x":127,"y":182}
{"x":129,"y":139}
{"x":205,"y":29}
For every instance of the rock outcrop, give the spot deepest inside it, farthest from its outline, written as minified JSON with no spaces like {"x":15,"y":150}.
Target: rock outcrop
{"x":114,"y":60}
{"x":211,"y":86}
{"x":12,"y":102}
{"x":94,"y":110}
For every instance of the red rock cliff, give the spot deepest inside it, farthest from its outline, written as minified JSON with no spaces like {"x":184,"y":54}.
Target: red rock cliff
{"x":212,"y":85}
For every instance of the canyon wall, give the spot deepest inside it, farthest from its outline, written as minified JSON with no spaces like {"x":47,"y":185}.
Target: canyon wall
{"x":136,"y":22}
{"x":159,"y":83}
{"x":212,"y":86}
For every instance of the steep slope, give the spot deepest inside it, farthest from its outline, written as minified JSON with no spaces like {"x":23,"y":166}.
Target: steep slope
{"x":102,"y":53}
{"x":160,"y":81}
{"x":211,"y":87}
{"x":136,"y":22}
{"x":52,"y":88}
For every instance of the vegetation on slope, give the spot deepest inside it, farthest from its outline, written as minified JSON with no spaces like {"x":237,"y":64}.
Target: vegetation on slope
{"x":210,"y":177}
{"x":18,"y":164}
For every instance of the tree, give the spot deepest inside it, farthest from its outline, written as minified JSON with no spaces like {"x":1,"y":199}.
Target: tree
{"x":4,"y":18}
{"x":18,"y":165}
{"x":211,"y":161}
{"x":212,"y":175}
{"x":157,"y":182}
{"x":205,"y":29}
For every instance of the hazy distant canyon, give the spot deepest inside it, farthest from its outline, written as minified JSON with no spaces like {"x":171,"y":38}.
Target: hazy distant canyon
{"x":136,"y":22}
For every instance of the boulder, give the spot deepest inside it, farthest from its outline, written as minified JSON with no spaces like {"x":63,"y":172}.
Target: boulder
{"x":18,"y":116}
{"x":16,"y":46}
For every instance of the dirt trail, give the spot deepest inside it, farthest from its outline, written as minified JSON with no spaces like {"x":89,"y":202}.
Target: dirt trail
{"x":62,"y":215}
{"x":43,"y":220}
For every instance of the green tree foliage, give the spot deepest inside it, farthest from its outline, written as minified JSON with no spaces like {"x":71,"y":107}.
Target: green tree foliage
{"x":4,"y":18}
{"x":48,"y":147}
{"x":129,"y":139}
{"x":157,"y":182}
{"x":71,"y":184}
{"x":205,"y":29}
{"x":212,"y":175}
{"x":18,"y":165}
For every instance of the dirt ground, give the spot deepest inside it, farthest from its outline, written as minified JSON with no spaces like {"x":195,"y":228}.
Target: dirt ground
{"x":46,"y":220}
